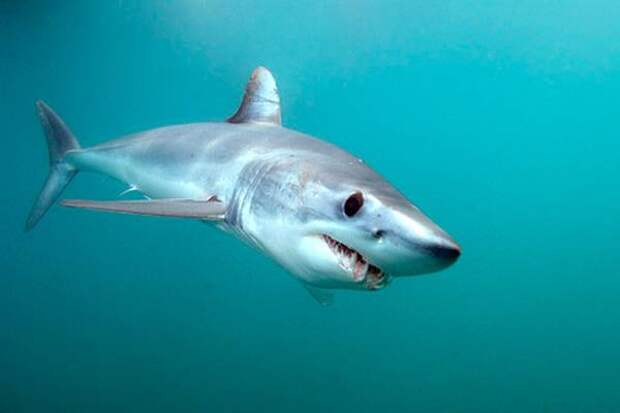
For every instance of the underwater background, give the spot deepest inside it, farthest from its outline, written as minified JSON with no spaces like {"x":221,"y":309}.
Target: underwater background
{"x":499,"y":119}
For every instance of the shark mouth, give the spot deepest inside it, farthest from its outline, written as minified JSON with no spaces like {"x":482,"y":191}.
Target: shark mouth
{"x":352,"y":261}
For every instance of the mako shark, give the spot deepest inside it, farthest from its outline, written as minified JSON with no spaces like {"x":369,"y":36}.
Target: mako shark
{"x":317,"y":210}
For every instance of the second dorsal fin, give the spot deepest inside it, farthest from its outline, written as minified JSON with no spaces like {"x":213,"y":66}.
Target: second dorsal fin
{"x":261,"y":102}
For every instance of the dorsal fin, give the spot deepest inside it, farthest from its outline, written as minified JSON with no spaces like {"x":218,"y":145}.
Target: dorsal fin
{"x":261,"y":102}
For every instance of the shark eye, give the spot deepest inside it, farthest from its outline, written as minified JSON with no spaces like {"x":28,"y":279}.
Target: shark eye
{"x":353,"y":204}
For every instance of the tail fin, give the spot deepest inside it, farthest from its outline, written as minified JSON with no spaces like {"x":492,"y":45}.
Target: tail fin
{"x":60,"y":140}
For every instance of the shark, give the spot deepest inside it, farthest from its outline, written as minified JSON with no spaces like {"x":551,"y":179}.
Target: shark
{"x":320,"y":212}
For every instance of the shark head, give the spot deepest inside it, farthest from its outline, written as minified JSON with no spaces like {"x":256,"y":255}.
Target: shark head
{"x":341,"y":225}
{"x":323,"y":214}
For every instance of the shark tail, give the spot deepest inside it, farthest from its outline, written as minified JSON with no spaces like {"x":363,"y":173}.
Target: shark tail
{"x":60,"y":141}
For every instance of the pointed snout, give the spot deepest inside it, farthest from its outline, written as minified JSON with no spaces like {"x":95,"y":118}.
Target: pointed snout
{"x":429,"y":253}
{"x":445,"y":251}
{"x":417,"y":245}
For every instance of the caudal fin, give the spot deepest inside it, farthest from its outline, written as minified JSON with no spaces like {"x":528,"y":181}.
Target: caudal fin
{"x":60,"y":140}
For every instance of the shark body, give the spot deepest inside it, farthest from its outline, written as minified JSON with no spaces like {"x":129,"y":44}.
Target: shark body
{"x":319,"y":211}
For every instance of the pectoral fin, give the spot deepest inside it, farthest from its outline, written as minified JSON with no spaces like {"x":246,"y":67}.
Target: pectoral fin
{"x":320,"y":295}
{"x":179,"y":208}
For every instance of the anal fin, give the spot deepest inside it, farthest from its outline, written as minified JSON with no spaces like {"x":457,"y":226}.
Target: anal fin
{"x":132,"y":188}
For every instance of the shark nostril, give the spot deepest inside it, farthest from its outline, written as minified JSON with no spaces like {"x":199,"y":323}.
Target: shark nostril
{"x":378,"y":233}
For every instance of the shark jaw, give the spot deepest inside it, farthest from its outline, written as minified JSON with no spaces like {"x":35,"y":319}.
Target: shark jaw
{"x":356,"y":264}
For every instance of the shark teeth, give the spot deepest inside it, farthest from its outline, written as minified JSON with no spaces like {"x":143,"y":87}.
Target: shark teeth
{"x":352,"y":261}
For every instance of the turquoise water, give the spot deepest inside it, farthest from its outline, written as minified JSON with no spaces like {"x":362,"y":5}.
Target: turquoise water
{"x":499,"y":119}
